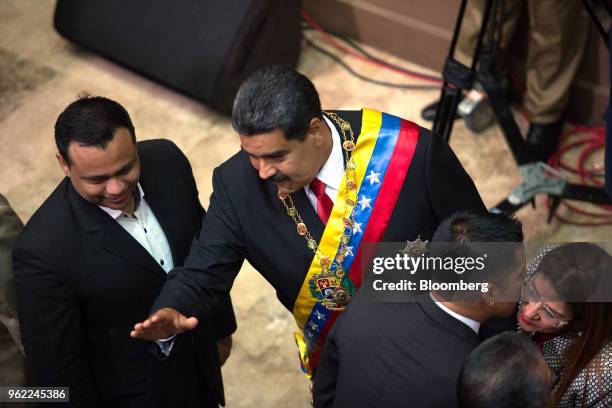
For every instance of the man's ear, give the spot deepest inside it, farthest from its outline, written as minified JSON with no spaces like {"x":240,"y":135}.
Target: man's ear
{"x":316,"y":129}
{"x":62,"y":163}
{"x":489,"y":296}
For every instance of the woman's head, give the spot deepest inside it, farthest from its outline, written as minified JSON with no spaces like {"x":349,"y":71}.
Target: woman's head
{"x":542,"y":311}
{"x":556,"y":294}
{"x":562,"y":293}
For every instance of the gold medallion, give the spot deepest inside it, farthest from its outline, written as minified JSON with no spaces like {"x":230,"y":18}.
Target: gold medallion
{"x":301,"y":228}
{"x":348,"y":145}
{"x":342,"y":298}
{"x":325,"y":262}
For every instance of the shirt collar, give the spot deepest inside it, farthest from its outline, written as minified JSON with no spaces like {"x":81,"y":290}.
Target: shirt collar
{"x":332,"y":171}
{"x":138,"y":196}
{"x":472,"y":324}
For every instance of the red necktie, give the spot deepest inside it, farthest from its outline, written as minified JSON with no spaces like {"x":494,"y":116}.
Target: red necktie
{"x":324,"y":203}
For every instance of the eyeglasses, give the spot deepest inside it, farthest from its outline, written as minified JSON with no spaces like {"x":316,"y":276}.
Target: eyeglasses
{"x":529,"y":294}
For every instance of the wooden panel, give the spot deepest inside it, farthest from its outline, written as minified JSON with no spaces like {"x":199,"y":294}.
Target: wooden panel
{"x":403,"y":35}
{"x":439,"y":13}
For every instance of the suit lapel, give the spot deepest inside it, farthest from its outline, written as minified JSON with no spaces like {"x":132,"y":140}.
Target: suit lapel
{"x":108,"y":234}
{"x":353,"y":118}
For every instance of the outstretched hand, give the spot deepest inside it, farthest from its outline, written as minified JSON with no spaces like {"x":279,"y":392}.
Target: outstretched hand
{"x":163,"y":324}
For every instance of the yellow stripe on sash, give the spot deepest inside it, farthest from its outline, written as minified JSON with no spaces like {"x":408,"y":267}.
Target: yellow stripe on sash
{"x":370,"y":127}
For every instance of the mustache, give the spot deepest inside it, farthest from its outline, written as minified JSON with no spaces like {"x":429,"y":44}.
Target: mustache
{"x":279,"y":178}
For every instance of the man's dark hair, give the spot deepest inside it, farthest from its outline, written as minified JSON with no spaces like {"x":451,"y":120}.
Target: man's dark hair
{"x":90,"y":121}
{"x":479,"y":226}
{"x":276,"y":97}
{"x":503,"y":372}
{"x":468,"y":235}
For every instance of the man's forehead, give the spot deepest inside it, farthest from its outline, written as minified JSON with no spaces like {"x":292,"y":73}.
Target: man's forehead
{"x":265,"y":144}
{"x":89,"y":154}
{"x":95,"y":160}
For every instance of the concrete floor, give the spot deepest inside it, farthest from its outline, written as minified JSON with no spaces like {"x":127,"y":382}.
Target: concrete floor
{"x":40,"y":73}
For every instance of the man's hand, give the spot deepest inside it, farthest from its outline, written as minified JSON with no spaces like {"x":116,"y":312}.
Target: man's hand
{"x":163,"y":324}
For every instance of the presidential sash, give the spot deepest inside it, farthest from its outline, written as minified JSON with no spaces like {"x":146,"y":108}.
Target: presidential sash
{"x":383,"y":154}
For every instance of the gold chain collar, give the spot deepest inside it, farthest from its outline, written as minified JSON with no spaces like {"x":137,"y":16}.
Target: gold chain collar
{"x":350,"y":197}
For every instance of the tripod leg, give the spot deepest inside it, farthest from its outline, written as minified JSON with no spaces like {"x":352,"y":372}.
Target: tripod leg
{"x":598,"y":25}
{"x":457,"y":76}
{"x":504,"y":116}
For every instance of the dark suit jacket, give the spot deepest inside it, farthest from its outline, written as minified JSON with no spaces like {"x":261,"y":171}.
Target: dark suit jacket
{"x":393,"y":355}
{"x":82,"y":281}
{"x":246,"y":220}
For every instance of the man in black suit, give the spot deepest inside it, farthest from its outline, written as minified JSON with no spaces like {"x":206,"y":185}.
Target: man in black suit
{"x":409,"y":353}
{"x":95,"y":255}
{"x":271,"y":202}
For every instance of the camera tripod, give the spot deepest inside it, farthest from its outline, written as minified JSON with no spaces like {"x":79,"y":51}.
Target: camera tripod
{"x":537,"y":177}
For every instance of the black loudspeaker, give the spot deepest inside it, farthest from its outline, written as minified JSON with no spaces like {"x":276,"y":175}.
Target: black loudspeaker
{"x":203,"y":48}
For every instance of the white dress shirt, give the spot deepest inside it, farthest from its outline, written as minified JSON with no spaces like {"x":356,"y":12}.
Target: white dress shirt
{"x":144,"y":228}
{"x":472,"y":324}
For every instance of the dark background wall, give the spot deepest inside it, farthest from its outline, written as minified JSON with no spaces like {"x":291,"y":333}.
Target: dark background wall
{"x":420,"y":31}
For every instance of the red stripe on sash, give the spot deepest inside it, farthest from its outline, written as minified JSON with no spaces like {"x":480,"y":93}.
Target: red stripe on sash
{"x":392,"y":184}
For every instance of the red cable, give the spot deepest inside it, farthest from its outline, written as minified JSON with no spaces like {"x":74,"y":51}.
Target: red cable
{"x":312,"y":23}
{"x":557,"y":161}
{"x":589,"y":145}
{"x":565,"y":220}
{"x":588,"y":174}
{"x":585,"y":212}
